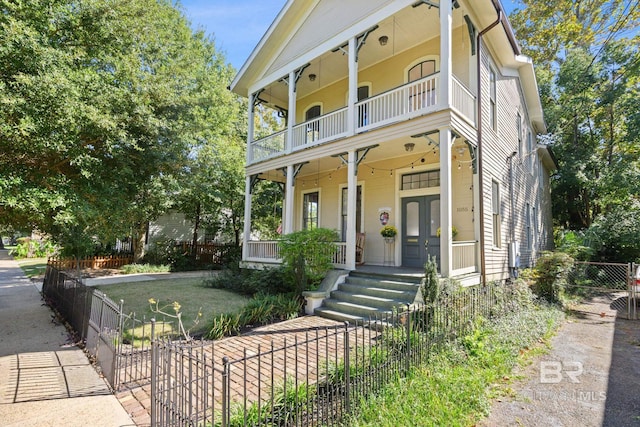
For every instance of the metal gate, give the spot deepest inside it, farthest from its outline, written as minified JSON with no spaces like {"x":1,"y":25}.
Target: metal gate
{"x":615,"y":279}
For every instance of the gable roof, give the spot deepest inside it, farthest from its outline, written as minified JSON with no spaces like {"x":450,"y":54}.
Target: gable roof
{"x":306,"y":30}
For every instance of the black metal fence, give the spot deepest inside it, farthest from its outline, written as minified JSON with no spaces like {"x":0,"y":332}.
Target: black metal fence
{"x":120,"y":343}
{"x":317,"y":376}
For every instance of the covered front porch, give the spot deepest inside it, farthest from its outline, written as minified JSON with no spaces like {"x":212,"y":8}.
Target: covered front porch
{"x":422,"y":182}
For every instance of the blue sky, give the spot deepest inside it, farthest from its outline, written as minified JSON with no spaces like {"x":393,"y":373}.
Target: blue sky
{"x":238,"y":25}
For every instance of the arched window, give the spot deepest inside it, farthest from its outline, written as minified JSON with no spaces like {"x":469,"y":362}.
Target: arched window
{"x":313,"y":128}
{"x":423,"y":93}
{"x":313,"y":112}
{"x":420,"y":70}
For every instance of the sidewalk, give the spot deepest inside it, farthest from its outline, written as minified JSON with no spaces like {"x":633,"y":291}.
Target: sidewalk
{"x":45,"y":380}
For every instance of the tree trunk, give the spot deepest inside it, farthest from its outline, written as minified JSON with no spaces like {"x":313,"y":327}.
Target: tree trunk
{"x":138,"y":242}
{"x":196,"y":226}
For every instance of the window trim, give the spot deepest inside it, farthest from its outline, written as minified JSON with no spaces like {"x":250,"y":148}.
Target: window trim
{"x":302,"y":208}
{"x":341,"y":188}
{"x":493,"y":98}
{"x":417,"y":61}
{"x":496,"y":217}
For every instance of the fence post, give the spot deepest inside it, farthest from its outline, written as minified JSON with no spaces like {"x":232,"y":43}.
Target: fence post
{"x":154,"y":373}
{"x":226,"y":377}
{"x":408,"y":356}
{"x":347,"y":370}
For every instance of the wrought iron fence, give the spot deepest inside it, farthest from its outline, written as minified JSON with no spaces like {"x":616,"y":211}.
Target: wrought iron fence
{"x":119,"y":342}
{"x":315,"y":377}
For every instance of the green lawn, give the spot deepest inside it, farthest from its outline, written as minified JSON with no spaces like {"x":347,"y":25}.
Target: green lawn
{"x":33,"y":266}
{"x":191,"y":294}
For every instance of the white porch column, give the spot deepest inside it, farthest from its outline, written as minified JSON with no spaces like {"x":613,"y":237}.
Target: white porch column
{"x":291,"y":114}
{"x":288,"y":202}
{"x":446,"y":251}
{"x":446,"y":64}
{"x":353,"y":86}
{"x":251,"y":129}
{"x":352,"y":182}
{"x":247,"y":218}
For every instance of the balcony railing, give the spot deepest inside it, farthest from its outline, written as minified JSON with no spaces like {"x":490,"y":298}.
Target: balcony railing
{"x":266,"y":148}
{"x":402,"y":103}
{"x":320,"y":129}
{"x":463,"y":100}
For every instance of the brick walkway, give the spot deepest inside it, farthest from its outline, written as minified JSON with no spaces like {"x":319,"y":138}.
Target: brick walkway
{"x":137,"y":399}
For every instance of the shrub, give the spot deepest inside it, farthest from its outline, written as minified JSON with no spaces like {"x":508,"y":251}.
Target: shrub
{"x":308,"y":254}
{"x":144,"y":268}
{"x":223,"y":325}
{"x":250,"y":282}
{"x":31,"y":248}
{"x":261,"y":310}
{"x":550,"y":273}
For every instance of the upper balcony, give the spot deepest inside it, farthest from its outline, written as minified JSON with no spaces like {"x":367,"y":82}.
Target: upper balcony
{"x":402,"y":103}
{"x":367,"y":70}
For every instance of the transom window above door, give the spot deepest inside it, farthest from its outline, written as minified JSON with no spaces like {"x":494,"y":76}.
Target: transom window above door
{"x":417,"y":180}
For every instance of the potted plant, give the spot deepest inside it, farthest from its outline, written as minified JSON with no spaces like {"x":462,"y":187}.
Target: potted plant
{"x":389,"y":233}
{"x":454,"y":232}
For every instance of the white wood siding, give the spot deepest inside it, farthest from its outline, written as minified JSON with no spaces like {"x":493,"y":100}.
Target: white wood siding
{"x":520,"y":188}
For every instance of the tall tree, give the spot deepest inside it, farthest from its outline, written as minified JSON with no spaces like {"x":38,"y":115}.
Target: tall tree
{"x":101,"y":103}
{"x":589,"y":68}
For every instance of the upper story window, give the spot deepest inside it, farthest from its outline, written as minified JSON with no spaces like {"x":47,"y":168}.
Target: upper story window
{"x":423,"y":69}
{"x":492,"y":99}
{"x":313,"y":112}
{"x":530,"y":152}
{"x":427,"y":179}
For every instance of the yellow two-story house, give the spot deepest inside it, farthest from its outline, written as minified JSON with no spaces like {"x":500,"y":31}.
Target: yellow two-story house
{"x":423,"y":115}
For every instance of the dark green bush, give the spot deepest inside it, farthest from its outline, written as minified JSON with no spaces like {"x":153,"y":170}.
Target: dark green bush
{"x":550,"y":274}
{"x":308,"y":254}
{"x":250,"y":282}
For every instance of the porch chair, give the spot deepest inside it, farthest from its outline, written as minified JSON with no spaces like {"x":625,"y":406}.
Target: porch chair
{"x":360,"y":248}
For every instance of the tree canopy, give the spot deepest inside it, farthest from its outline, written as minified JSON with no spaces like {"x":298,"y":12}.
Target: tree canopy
{"x":101,"y":105}
{"x":588,"y":68}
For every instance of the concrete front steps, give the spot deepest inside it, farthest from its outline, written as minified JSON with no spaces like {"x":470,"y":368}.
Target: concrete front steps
{"x":364,"y":296}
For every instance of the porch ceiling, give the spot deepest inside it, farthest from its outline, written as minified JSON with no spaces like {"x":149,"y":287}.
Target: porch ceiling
{"x":391,"y":149}
{"x":406,"y":29}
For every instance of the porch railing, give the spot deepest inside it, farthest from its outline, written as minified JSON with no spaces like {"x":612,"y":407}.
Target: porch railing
{"x":464,"y":257}
{"x":269,"y":251}
{"x":402,"y":103}
{"x":263,"y":251}
{"x":464,"y":254}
